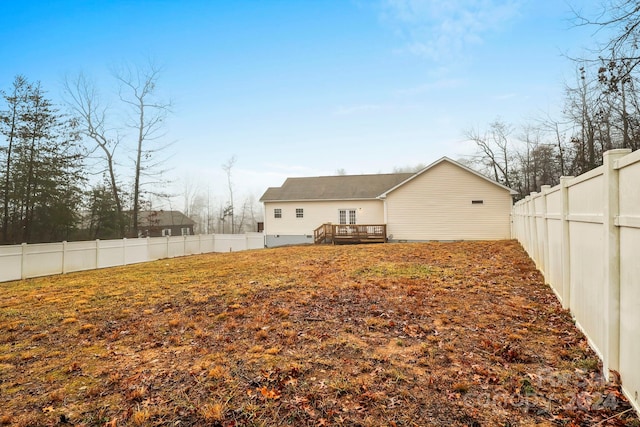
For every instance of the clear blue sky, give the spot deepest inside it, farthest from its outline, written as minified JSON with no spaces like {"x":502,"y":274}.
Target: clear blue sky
{"x":301,"y":88}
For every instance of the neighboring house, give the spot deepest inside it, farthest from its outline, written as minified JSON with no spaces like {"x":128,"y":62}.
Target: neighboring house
{"x":164,"y":223}
{"x":443,"y":201}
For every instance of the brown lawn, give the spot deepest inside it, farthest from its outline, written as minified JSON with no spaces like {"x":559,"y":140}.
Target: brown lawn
{"x":459,"y":334}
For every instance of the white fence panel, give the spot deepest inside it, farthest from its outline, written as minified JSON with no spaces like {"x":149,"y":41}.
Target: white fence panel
{"x":42,"y":259}
{"x":629,"y":222}
{"x":532,"y":234}
{"x":10,"y":263}
{"x":192,"y":245}
{"x":539,"y":206}
{"x":521,"y":223}
{"x":110,"y":253}
{"x":586,"y":196}
{"x":136,"y":250}
{"x":157,"y":248}
{"x":255,"y":240}
{"x":230,"y":242}
{"x":80,"y":256}
{"x":588,"y":249}
{"x":630,"y":310}
{"x":554,"y":269}
{"x":553,"y":218}
{"x":207,"y":243}
{"x":587,"y":292}
{"x":25,"y":261}
{"x":586,"y":254}
{"x":175,"y":246}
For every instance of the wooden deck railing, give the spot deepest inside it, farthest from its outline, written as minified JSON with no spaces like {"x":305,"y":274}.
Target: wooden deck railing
{"x":350,"y":233}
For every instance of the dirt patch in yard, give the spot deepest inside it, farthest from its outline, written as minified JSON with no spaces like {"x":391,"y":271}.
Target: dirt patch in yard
{"x":458,"y":334}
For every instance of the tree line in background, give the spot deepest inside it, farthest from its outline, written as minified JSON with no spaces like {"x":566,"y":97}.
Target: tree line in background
{"x":601,"y":112}
{"x":221,"y":217}
{"x":89,"y":172}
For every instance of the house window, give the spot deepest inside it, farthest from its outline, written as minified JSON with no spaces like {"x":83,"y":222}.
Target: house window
{"x":477,"y":202}
{"x":185,"y":231}
{"x":299,"y":213}
{"x":347,"y":216}
{"x":166,"y":232}
{"x":277,"y":213}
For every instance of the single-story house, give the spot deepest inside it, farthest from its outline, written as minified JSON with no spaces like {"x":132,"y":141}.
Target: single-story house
{"x":164,"y":223}
{"x":444,"y":201}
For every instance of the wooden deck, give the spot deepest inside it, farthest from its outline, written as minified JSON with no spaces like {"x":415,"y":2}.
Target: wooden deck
{"x":350,"y":233}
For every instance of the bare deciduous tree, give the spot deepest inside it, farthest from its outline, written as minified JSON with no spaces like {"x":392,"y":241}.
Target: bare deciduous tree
{"x":494,"y":149}
{"x":138,"y":90}
{"x":84,"y":100}
{"x":620,"y":55}
{"x":228,"y":210}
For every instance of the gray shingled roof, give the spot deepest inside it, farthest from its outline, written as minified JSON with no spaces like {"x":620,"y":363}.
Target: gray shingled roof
{"x":163,"y":218}
{"x":341,"y":187}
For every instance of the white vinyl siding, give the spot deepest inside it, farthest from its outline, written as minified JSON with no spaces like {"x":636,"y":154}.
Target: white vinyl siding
{"x":444,"y":204}
{"x":317,"y":213}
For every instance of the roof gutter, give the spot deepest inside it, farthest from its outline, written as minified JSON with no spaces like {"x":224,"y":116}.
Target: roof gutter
{"x":318,"y":200}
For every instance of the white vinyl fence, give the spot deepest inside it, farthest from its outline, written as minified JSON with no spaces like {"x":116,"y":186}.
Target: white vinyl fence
{"x":584,"y":236}
{"x":25,"y":261}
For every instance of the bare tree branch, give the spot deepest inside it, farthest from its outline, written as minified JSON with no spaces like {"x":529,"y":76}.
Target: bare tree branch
{"x":138,"y":89}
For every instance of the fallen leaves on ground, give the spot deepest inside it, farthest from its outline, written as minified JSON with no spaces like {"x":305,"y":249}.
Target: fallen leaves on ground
{"x":459,"y":334}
